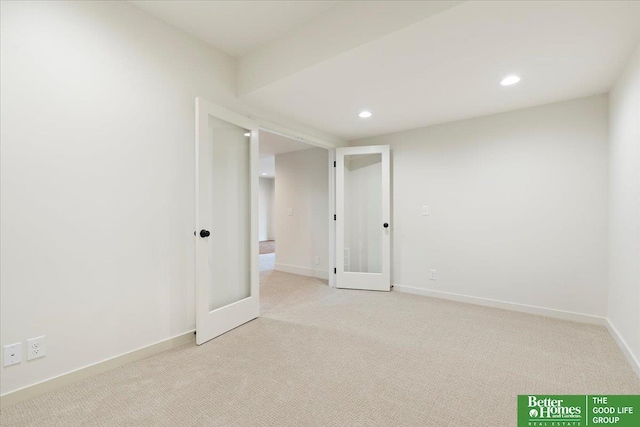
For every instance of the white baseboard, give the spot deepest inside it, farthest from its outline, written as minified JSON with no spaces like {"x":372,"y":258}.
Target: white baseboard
{"x":303,"y":271}
{"x":531,"y":309}
{"x":559,"y":314}
{"x":37,"y":389}
{"x":633,"y":360}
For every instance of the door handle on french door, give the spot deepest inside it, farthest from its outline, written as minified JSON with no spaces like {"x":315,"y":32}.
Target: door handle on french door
{"x":204,"y":233}
{"x":385,"y":225}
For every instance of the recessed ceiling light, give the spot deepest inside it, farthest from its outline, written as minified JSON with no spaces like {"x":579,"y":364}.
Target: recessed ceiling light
{"x":247,"y":134}
{"x":264,"y":174}
{"x":364,"y":114}
{"x":510,"y":80}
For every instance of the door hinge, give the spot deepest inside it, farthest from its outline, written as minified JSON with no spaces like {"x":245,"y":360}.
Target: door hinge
{"x":334,"y":163}
{"x":335,"y":271}
{"x":334,"y":217}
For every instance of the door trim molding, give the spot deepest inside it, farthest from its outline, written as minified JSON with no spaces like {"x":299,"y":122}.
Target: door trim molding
{"x":287,"y":132}
{"x":332,"y":223}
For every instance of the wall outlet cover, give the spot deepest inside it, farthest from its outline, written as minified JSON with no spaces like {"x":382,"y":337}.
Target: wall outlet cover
{"x":35,"y":348}
{"x":432,"y":275}
{"x":12,"y":354}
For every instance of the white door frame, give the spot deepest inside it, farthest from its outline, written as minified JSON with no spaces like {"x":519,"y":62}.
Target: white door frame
{"x":210,"y":324}
{"x":332,"y":218}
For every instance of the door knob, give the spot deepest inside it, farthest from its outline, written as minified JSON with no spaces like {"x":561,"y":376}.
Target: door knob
{"x":204,"y":233}
{"x":385,"y":225}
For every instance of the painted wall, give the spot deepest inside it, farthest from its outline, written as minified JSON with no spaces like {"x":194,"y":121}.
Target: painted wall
{"x":268,"y":164}
{"x":518,"y":206}
{"x":266,"y":213}
{"x":97,"y":179}
{"x":302,"y":184}
{"x":624,"y":206}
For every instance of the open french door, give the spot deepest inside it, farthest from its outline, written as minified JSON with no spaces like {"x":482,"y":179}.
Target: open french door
{"x":363,"y":220}
{"x":226,"y":220}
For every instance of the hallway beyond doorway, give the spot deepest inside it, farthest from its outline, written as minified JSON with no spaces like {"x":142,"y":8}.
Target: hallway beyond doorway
{"x":267,"y":247}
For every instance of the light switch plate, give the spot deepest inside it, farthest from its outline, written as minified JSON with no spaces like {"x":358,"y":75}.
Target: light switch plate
{"x":425,"y":211}
{"x":290,"y":211}
{"x":12,"y":354}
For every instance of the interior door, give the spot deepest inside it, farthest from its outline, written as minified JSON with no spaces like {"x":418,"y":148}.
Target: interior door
{"x":363,"y":221}
{"x":226,"y":220}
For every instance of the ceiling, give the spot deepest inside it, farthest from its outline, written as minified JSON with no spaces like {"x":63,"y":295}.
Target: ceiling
{"x":272,"y":144}
{"x":412,"y":64}
{"x":235,"y":27}
{"x":448,"y":67}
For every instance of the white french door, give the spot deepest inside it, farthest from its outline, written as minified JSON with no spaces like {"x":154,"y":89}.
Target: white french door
{"x":363,"y":220}
{"x":226,"y":220}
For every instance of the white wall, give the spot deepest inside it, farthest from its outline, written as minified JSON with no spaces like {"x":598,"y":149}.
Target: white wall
{"x":268,"y":164}
{"x":97,"y":179}
{"x":518,"y":206}
{"x":302,"y":184}
{"x":624,"y":205}
{"x":266,"y":213}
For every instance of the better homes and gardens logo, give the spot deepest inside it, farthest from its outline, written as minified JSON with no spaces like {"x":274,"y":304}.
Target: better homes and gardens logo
{"x":578,"y":410}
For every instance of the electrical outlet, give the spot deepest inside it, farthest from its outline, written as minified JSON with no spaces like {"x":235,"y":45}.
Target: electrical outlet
{"x":432,"y":275}
{"x":425,"y":211}
{"x":317,"y":260}
{"x":12,"y":354}
{"x":35,"y":348}
{"x":290,"y":211}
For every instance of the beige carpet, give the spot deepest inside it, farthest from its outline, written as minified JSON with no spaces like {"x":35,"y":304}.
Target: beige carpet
{"x":325,"y":357}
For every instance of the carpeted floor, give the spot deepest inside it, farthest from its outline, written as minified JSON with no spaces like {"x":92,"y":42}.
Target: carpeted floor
{"x":324,"y":357}
{"x":267,"y":247}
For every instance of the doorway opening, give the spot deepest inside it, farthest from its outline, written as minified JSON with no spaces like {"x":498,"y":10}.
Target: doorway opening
{"x":266,"y":214}
{"x":293,"y":207}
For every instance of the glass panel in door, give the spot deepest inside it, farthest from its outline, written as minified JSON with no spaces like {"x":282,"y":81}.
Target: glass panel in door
{"x":363,"y":213}
{"x":229,"y":214}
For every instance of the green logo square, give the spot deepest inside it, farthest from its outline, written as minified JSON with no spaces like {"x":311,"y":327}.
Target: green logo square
{"x":578,"y":410}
